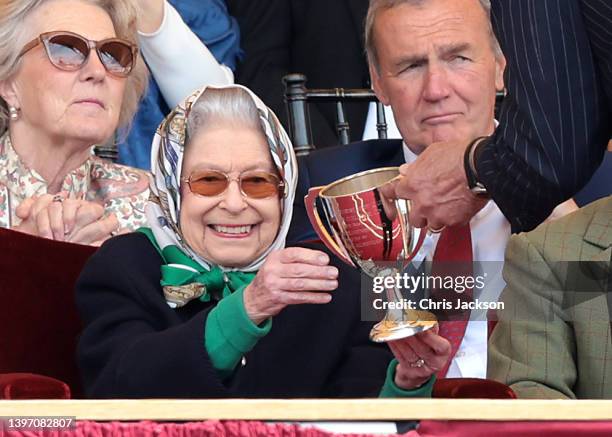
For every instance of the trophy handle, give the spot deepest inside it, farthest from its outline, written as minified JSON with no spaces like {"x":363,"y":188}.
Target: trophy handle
{"x":409,"y":253}
{"x":317,"y":224}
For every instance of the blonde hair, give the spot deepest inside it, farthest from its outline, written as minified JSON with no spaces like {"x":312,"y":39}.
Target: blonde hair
{"x":13,"y":36}
{"x":378,"y":5}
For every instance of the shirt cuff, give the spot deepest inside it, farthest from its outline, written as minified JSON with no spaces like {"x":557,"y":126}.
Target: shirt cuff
{"x":391,"y":390}
{"x":229,"y":333}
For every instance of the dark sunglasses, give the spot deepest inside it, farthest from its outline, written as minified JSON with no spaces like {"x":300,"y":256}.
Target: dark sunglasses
{"x":69,"y":51}
{"x":253,"y":184}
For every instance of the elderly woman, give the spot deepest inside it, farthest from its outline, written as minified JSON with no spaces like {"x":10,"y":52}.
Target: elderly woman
{"x":207,"y":302}
{"x":69,"y":76}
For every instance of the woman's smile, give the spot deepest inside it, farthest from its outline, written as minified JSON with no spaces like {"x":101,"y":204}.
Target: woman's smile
{"x":232,"y":230}
{"x":228,"y":229}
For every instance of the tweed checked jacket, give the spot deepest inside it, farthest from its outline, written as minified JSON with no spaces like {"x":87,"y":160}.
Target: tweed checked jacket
{"x":553,"y":337}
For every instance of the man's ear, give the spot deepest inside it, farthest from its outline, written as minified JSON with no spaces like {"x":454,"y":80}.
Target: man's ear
{"x":377,"y":86}
{"x":8,"y":93}
{"x":500,"y":67}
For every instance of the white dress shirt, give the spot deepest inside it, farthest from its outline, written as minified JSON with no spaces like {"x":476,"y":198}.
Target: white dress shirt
{"x":490,"y":233}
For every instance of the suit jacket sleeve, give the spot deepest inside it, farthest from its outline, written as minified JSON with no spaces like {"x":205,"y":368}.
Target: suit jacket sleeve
{"x":130,"y":347}
{"x":555,"y":121}
{"x":531,"y":348}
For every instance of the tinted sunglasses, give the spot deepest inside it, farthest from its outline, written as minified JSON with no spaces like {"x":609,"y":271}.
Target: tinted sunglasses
{"x":253,"y":184}
{"x":69,"y":51}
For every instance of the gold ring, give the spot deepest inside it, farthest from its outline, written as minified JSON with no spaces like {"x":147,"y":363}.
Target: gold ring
{"x":436,"y":231}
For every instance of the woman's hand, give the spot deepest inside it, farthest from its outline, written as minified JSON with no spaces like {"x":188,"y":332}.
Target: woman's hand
{"x":290,"y":276}
{"x":419,"y":357}
{"x":62,"y":219}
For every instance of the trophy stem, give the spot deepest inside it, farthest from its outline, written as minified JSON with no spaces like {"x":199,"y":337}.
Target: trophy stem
{"x":400,"y":320}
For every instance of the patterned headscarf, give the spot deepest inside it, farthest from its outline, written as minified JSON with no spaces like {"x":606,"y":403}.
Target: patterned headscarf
{"x":163,"y":208}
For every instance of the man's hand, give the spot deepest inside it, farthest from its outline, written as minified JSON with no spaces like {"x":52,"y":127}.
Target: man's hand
{"x":437,"y":186}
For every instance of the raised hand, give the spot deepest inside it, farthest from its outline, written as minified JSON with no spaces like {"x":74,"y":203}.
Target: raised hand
{"x":437,"y":186}
{"x":290,"y":276}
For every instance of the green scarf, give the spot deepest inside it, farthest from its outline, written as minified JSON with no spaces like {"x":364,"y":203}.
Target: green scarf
{"x":183,"y":279}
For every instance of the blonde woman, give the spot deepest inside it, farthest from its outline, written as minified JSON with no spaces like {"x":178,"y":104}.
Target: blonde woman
{"x":70,"y":75}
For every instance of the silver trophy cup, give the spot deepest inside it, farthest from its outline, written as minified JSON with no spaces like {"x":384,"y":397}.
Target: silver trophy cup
{"x":372,"y":233}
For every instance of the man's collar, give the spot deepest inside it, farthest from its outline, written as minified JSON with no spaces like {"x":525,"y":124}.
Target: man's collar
{"x":409,"y":155}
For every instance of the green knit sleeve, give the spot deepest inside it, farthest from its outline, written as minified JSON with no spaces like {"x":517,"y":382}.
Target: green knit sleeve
{"x":229,"y":333}
{"x":390,"y":390}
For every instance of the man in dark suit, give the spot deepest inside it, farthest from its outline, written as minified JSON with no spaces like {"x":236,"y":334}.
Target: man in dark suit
{"x":441,"y":94}
{"x":438,"y":65}
{"x":554,"y":123}
{"x":319,"y":38}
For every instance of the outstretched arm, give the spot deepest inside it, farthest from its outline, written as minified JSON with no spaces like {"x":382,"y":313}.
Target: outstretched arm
{"x":555,"y":121}
{"x":179,"y":61}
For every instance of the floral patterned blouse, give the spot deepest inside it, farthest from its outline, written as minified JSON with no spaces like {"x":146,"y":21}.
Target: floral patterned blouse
{"x":121,"y":190}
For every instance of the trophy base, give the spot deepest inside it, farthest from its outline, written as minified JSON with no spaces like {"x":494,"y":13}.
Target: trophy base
{"x":386,"y":330}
